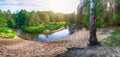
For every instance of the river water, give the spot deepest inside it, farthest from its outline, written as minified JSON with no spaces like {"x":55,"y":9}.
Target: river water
{"x":44,"y":37}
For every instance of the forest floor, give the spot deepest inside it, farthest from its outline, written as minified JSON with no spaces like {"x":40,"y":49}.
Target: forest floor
{"x":19,"y":47}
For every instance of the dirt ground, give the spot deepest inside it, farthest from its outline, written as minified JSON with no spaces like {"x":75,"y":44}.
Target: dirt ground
{"x":19,"y":47}
{"x":94,"y":51}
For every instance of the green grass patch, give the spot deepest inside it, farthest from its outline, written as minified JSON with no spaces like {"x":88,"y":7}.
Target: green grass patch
{"x":7,"y":33}
{"x":113,"y":40}
{"x":42,"y":27}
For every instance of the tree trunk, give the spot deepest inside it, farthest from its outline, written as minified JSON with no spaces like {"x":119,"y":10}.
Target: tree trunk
{"x":93,"y":39}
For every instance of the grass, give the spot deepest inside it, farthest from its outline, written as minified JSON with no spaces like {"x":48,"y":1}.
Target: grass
{"x":42,"y":27}
{"x":7,"y":33}
{"x":113,"y":40}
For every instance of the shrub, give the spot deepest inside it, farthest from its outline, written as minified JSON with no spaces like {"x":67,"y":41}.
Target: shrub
{"x":42,"y":27}
{"x":7,"y":33}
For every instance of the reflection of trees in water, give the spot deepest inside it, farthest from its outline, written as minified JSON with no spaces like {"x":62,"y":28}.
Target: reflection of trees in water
{"x":47,"y":35}
{"x":71,"y":29}
{"x":19,"y":32}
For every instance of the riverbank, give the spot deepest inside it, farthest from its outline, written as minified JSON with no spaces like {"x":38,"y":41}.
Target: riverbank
{"x":18,"y":47}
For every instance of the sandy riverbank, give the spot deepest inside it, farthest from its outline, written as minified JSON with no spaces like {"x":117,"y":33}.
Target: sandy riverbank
{"x":18,"y":47}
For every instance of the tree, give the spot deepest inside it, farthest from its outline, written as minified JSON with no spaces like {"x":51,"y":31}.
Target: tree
{"x":11,"y":23}
{"x":93,"y":39}
{"x":117,"y":12}
{"x":44,"y":17}
{"x":83,"y":13}
{"x":21,"y":17}
{"x":10,"y":19}
{"x":8,"y":15}
{"x":3,"y":22}
{"x":31,"y":19}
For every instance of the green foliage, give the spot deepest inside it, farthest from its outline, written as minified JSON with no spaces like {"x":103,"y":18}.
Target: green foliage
{"x":83,"y":15}
{"x":42,"y":27}
{"x":117,"y":19}
{"x":117,"y":6}
{"x":46,"y":18}
{"x":20,"y":19}
{"x":3,"y":21}
{"x":11,"y":23}
{"x":7,"y":33}
{"x":86,"y":23}
{"x":32,"y":22}
{"x":33,"y":29}
{"x":113,"y":40}
{"x":106,"y":16}
{"x":32,"y":18}
{"x":8,"y":15}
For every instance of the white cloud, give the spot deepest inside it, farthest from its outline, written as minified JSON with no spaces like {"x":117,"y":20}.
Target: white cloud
{"x":65,"y":6}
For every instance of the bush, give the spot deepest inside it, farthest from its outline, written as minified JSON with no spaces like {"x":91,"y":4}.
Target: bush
{"x":7,"y":33}
{"x":42,"y":27}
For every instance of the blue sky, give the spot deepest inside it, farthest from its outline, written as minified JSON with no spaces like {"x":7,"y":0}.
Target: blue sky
{"x":64,"y":6}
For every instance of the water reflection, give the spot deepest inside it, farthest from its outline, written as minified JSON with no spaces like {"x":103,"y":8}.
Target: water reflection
{"x":57,"y":35}
{"x":44,"y":37}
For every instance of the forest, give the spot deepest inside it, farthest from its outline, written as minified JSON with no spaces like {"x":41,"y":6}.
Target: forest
{"x":107,"y":12}
{"x":93,"y":30}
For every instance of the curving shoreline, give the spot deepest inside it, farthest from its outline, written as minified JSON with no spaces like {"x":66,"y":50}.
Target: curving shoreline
{"x":18,"y":47}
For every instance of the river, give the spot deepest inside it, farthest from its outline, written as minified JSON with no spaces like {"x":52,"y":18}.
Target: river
{"x":44,"y":36}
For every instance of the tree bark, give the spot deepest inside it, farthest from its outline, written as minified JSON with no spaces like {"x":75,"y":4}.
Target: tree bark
{"x":93,"y":39}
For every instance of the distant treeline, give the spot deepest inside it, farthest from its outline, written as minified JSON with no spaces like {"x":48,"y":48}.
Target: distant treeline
{"x":33,"y":18}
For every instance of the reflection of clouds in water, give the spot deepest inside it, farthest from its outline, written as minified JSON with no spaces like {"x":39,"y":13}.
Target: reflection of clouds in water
{"x":41,"y":37}
{"x":61,"y":34}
